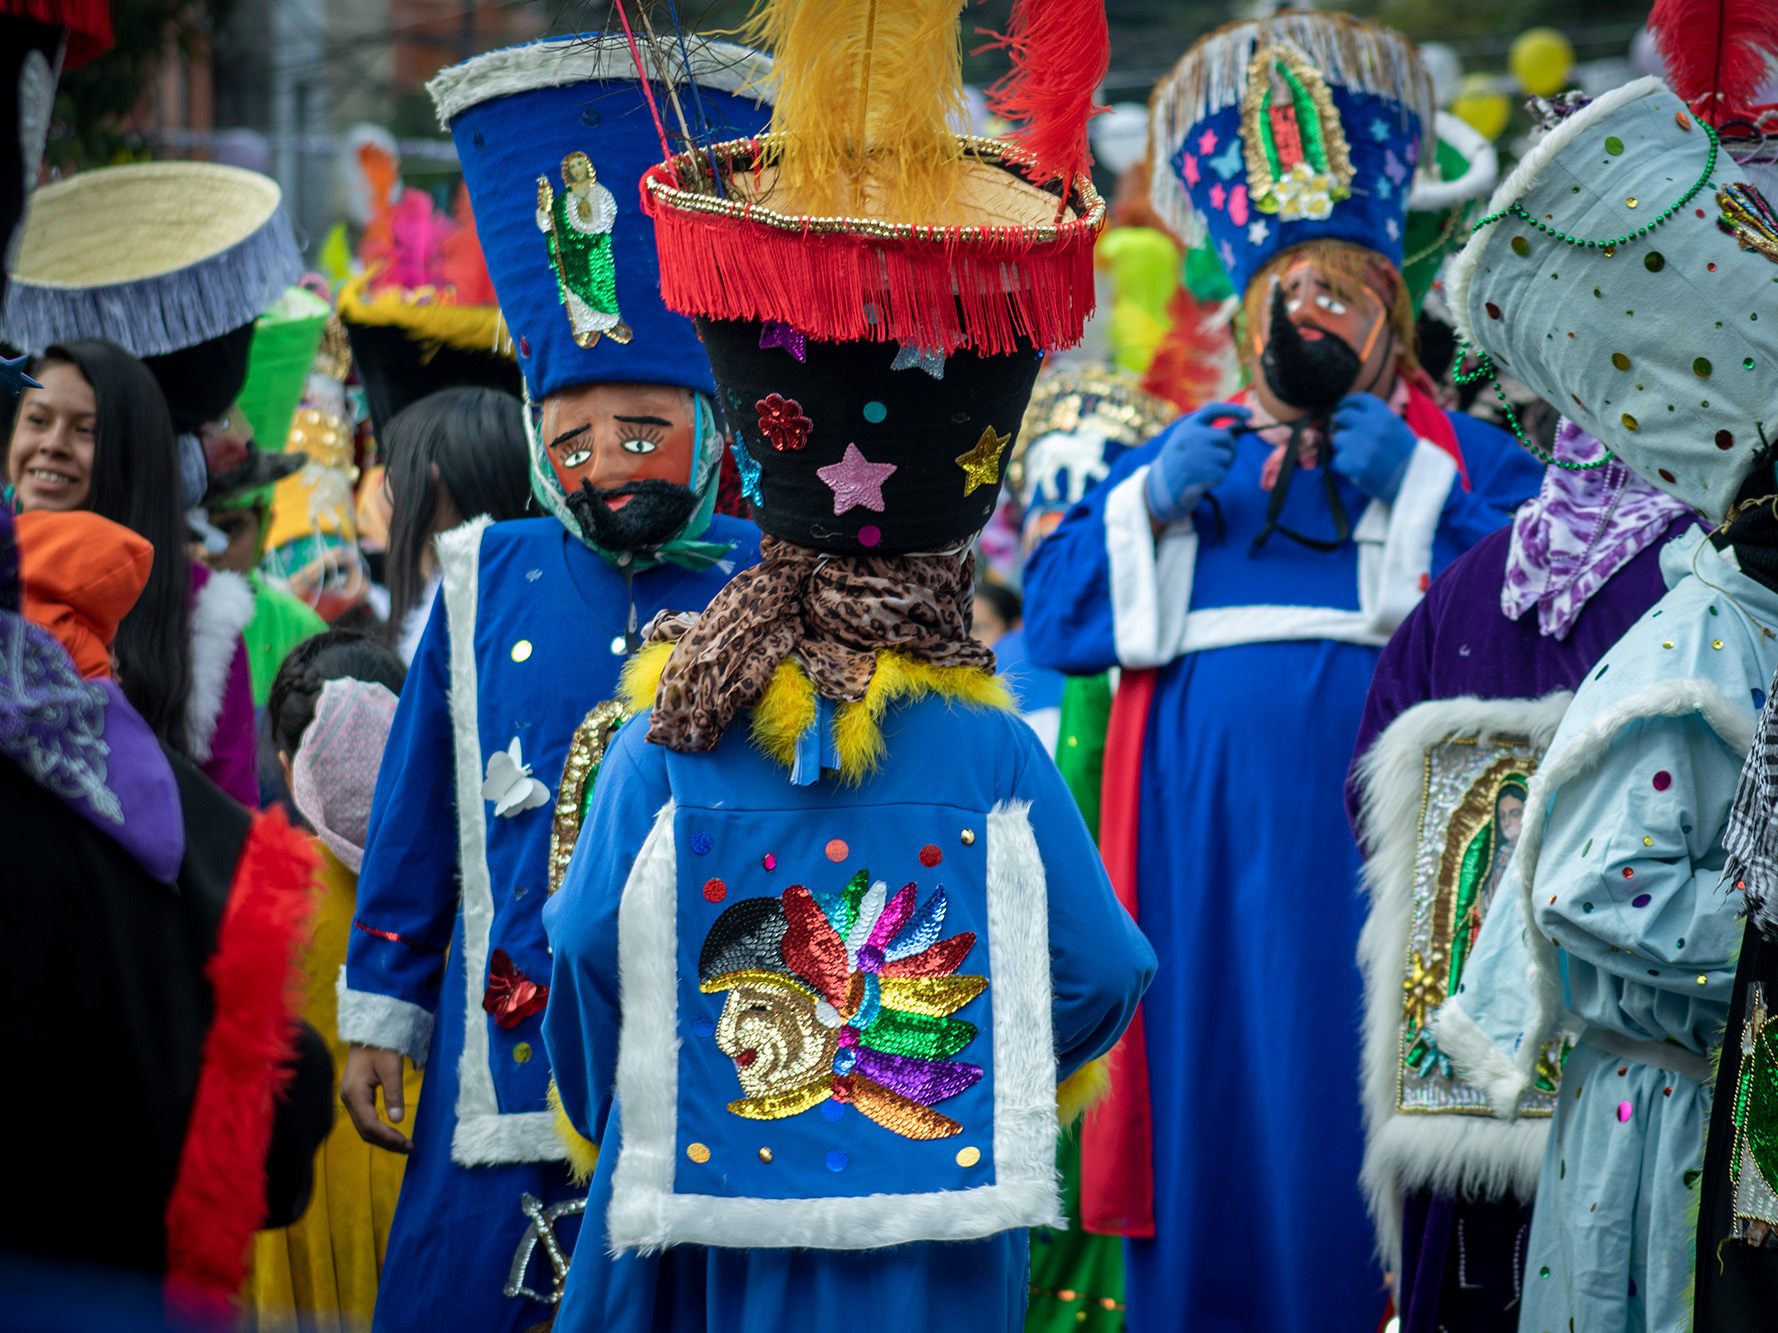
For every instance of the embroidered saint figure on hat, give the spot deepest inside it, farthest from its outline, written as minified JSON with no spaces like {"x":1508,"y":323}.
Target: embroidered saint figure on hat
{"x":1297,"y":160}
{"x":847,"y":997}
{"x":577,"y":227}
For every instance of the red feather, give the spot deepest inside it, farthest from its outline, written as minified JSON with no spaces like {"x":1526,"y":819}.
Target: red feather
{"x":1060,"y":51}
{"x":1718,"y":53}
{"x":461,"y":264}
{"x":1187,"y":368}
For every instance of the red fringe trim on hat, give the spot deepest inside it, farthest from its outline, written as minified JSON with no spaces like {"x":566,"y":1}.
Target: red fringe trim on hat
{"x":219,"y":1201}
{"x":88,"y":23}
{"x":986,"y":290}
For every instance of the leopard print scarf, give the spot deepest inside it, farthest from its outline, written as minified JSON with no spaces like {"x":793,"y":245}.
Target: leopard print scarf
{"x":830,"y":612}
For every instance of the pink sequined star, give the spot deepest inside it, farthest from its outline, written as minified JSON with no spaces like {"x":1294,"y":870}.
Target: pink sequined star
{"x":856,"y":481}
{"x":1207,"y":141}
{"x":1217,"y":195}
{"x":1188,"y":167}
{"x":776,"y":333}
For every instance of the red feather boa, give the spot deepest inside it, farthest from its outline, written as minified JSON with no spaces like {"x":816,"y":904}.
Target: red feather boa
{"x":219,"y":1201}
{"x":1718,"y":53}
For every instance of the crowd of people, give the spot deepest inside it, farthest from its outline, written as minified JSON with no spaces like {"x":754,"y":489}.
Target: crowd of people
{"x":701,"y":742}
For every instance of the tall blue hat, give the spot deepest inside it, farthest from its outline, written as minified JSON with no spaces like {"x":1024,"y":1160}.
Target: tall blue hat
{"x":1299,"y":127}
{"x":583,"y":303}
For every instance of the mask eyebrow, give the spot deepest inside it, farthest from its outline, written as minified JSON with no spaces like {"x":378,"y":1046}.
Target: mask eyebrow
{"x":567,"y":435}
{"x":643,"y":421}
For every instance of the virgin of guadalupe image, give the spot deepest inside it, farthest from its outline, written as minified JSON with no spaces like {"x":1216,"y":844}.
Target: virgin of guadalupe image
{"x":577,"y":226}
{"x":1479,"y":843}
{"x":845,"y":996}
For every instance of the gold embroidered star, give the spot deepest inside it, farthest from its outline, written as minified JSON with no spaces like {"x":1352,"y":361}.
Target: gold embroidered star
{"x":981,"y":465}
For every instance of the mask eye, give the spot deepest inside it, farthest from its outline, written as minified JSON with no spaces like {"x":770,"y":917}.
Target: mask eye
{"x":576,"y":458}
{"x":1292,"y":306}
{"x":639,"y":446}
{"x":1330,"y":305}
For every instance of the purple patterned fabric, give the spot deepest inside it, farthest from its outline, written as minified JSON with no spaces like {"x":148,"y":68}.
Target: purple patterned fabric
{"x":1579,"y":530}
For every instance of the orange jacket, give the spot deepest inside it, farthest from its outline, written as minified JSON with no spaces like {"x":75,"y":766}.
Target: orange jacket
{"x":81,"y":575}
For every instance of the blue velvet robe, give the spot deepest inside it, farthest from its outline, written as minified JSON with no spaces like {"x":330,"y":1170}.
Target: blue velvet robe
{"x":944,"y":764}
{"x":1246,"y":871}
{"x":547,"y":613}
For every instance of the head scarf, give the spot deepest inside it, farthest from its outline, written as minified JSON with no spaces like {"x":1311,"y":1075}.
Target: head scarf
{"x":335,"y":770}
{"x":831,"y":612}
{"x":1579,"y":530}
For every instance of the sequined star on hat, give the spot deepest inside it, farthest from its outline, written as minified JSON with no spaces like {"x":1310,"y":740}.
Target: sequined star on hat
{"x":929,"y":359}
{"x":855,"y":481}
{"x":13,"y":376}
{"x":776,"y":333}
{"x":981,"y":465}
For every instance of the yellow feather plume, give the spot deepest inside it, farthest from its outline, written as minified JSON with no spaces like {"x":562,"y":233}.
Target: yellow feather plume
{"x":583,"y":1153}
{"x":869,"y":98}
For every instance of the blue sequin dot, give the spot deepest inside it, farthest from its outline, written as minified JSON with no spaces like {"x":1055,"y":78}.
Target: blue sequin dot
{"x":837,"y":1160}
{"x":1759,"y":698}
{"x":875,"y":412}
{"x":704,"y":1027}
{"x":843,"y":1062}
{"x":701,"y":843}
{"x":833,"y":1110}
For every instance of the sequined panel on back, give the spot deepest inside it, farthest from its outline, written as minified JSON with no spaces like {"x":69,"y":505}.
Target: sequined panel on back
{"x":1471,"y":812}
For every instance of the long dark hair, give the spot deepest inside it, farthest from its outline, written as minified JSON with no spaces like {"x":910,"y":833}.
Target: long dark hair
{"x":335,"y":655}
{"x":136,"y":482}
{"x":477,"y":438}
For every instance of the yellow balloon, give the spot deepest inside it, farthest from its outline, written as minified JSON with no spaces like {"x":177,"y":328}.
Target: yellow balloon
{"x":1540,"y":59}
{"x":1480,"y":106}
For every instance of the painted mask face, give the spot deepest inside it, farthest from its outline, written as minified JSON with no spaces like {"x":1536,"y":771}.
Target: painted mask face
{"x":623,"y":453}
{"x":1319,"y":346}
{"x":771,"y":1033}
{"x":225,"y":441}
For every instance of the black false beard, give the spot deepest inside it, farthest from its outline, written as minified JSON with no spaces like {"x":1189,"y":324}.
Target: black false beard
{"x":1313,"y":374}
{"x":658,"y":510}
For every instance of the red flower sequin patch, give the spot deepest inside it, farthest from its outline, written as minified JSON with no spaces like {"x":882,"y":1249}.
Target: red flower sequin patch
{"x":511,"y":996}
{"x":781,"y":421}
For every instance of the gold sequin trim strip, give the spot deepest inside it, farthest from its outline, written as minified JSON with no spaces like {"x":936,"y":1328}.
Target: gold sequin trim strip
{"x":586,"y":751}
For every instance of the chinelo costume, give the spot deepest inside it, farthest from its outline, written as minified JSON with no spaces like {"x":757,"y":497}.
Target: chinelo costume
{"x":448,"y":963}
{"x":1217,"y":566}
{"x":1611,"y":923}
{"x":174,"y":261}
{"x":834,"y":930}
{"x":1465,"y":699}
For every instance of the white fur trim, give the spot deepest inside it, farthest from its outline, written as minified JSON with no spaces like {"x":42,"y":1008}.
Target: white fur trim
{"x":1451,"y":1153}
{"x":1151,"y":582}
{"x":646,"y":1215}
{"x":224,"y":606}
{"x":370,"y":1019}
{"x":1575,"y":756}
{"x":1151,"y":579}
{"x":721,"y":66}
{"x":1484,"y":1066}
{"x":483,"y":1136}
{"x":1462,"y":271}
{"x":1483,"y":172}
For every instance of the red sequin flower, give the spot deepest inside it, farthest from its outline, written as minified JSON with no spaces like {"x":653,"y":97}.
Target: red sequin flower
{"x":511,"y":996}
{"x":781,"y":421}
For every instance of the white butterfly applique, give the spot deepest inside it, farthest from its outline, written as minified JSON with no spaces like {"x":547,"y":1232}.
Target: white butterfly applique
{"x":510,"y":784}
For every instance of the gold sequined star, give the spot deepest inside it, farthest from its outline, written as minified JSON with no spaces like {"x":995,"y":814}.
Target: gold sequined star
{"x":981,"y":465}
{"x":1423,"y":988}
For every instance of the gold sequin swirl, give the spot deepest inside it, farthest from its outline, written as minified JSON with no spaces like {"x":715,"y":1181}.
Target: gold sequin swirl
{"x":585,"y":753}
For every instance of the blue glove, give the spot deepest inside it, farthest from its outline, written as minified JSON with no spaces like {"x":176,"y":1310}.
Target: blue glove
{"x":1195,"y":455}
{"x":1372,"y":446}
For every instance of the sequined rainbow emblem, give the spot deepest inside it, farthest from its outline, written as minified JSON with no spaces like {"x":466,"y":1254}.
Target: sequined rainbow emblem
{"x":847,"y":997}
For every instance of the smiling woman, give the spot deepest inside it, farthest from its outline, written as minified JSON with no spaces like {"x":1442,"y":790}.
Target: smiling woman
{"x":97,"y":436}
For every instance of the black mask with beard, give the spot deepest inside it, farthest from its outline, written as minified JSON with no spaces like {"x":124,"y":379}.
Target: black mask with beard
{"x":659,"y":508}
{"x":1313,"y":374}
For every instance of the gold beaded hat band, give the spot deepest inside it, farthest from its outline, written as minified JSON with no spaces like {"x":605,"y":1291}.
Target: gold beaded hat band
{"x":1619,"y":272}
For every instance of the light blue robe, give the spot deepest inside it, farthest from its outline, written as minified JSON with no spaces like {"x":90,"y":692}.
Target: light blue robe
{"x":1632,"y":947}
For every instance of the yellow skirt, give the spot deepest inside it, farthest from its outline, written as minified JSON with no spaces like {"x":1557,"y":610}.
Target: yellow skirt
{"x":321,"y":1273}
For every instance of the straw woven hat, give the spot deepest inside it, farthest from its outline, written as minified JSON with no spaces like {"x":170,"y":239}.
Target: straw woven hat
{"x":157,"y":256}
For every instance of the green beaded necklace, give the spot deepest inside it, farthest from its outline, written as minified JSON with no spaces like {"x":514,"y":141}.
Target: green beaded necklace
{"x":1485,"y":366}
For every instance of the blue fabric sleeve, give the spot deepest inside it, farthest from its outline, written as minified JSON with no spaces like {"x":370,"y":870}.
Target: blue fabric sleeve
{"x":407,"y":887}
{"x":1502,"y":476}
{"x":1068,"y":616}
{"x":1100,"y":962}
{"x":584,"y":1017}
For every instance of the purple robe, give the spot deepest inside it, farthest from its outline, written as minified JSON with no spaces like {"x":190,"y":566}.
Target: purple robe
{"x":1460,"y":1257}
